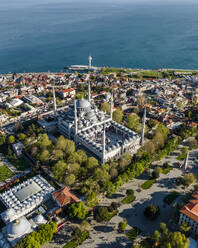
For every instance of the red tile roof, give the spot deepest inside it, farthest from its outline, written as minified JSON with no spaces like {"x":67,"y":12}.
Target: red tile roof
{"x":64,"y":196}
{"x":191,"y":208}
{"x":68,"y":90}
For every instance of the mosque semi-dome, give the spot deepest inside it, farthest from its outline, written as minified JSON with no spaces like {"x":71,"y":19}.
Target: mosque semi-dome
{"x":83,"y":104}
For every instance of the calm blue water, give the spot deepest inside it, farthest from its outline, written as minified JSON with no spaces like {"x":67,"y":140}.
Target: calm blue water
{"x":42,"y":35}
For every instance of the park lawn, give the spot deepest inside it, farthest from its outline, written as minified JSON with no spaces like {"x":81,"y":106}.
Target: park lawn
{"x":128,"y":199}
{"x":5,"y":173}
{"x":166,"y":170}
{"x":171,"y":197}
{"x":148,"y":183}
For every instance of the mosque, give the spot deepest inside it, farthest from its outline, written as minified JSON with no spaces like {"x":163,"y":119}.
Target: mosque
{"x":28,"y":205}
{"x":94,"y":130}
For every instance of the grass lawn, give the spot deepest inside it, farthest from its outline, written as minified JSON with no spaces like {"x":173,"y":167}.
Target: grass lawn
{"x":128,"y":199}
{"x":148,"y":184}
{"x":171,"y":197}
{"x":166,"y":170}
{"x":5,"y":173}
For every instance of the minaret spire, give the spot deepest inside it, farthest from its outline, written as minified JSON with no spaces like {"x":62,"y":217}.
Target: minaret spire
{"x":143,"y":127}
{"x":76,"y":118}
{"x":54,"y":100}
{"x":186,"y":161}
{"x":103,"y":143}
{"x":111,"y":111}
{"x":89,"y":92}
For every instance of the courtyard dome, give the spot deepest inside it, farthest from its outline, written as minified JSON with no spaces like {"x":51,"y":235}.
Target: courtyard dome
{"x":9,"y":213}
{"x":39,"y":219}
{"x":18,"y":227}
{"x":83,"y":104}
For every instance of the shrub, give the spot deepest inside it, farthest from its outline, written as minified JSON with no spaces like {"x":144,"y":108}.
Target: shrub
{"x":103,"y":214}
{"x":122,"y":226}
{"x":130,"y":192}
{"x":171,"y":197}
{"x":152,"y":211}
{"x":128,"y":199}
{"x":148,"y":184}
{"x":76,"y":242}
{"x":133,"y":233}
{"x":156,"y":172}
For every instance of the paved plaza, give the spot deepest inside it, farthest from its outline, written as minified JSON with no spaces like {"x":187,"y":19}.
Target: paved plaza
{"x":106,"y":235}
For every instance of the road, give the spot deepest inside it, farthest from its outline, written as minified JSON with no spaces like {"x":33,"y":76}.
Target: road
{"x":27,"y":116}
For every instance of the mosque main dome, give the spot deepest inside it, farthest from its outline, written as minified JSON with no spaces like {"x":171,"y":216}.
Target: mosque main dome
{"x":18,"y":227}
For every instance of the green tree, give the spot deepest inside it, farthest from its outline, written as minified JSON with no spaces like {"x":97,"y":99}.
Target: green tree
{"x":151,"y":211}
{"x":189,"y":178}
{"x":70,"y":179}
{"x":156,"y":236}
{"x":177,"y":240}
{"x":61,"y":143}
{"x":58,"y":154}
{"x":2,"y":139}
{"x":11,"y":139}
{"x":84,"y":226}
{"x":44,"y":156}
{"x":43,"y":141}
{"x":125,"y":161}
{"x":91,"y":163}
{"x":59,"y":170}
{"x":91,"y":200}
{"x":105,"y":107}
{"x":74,"y":157}
{"x":82,"y":156}
{"x":122,"y":226}
{"x":156,"y":172}
{"x":133,"y":122}
{"x":118,"y":115}
{"x":77,"y":210}
{"x":113,"y":172}
{"x":22,"y":136}
{"x":184,"y":227}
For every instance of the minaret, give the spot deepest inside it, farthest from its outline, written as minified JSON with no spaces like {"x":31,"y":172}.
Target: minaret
{"x":54,"y":100}
{"x":90,"y":59}
{"x":103,"y":143}
{"x":186,"y":161}
{"x":76,"y":118}
{"x":111,"y":111}
{"x":89,"y":92}
{"x":143,"y":127}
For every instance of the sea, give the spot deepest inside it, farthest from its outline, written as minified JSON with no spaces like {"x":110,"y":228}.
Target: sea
{"x":47,"y":35}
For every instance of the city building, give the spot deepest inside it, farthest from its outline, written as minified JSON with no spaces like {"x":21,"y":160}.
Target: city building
{"x":68,"y":92}
{"x":189,"y":214}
